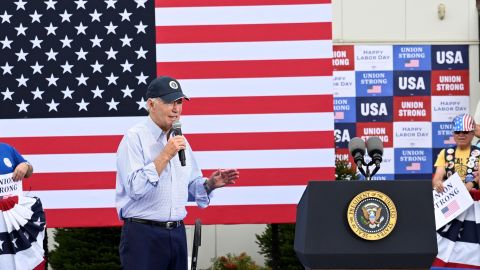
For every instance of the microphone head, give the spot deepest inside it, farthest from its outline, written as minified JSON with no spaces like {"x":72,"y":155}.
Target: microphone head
{"x":356,"y":145}
{"x":177,"y":125}
{"x":374,"y":146}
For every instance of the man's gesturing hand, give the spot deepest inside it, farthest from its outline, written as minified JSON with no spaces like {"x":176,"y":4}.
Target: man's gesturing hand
{"x":223,"y":177}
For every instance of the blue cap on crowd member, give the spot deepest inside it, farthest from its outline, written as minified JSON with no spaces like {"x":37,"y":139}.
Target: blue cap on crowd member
{"x":463,"y":122}
{"x":166,"y":88}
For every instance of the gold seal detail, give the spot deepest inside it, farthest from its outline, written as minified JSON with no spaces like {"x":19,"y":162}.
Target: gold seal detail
{"x":372,"y":215}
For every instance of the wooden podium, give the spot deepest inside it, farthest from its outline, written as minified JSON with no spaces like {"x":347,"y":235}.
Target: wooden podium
{"x":324,"y":238}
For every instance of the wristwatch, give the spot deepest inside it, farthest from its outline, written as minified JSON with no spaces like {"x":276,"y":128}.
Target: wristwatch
{"x":205,"y":185}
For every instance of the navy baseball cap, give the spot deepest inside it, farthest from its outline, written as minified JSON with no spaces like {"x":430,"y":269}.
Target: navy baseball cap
{"x":166,"y":88}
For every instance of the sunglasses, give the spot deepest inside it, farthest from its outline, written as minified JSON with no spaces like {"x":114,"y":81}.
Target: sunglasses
{"x":462,"y":132}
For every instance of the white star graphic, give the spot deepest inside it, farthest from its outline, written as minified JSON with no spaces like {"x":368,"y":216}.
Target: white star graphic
{"x":1,"y":245}
{"x":112,"y":79}
{"x":111,"y":53}
{"x":65,"y":16}
{"x":142,"y":78}
{"x":7,"y":69}
{"x":96,"y":41}
{"x":126,"y":41}
{"x":67,"y":93}
{"x":66,"y":42}
{"x":38,"y":222}
{"x":6,"y":43}
{"x":37,"y":68}
{"x":83,"y":105}
{"x":5,"y":17}
{"x":52,"y":80}
{"x":14,"y":241}
{"x":51,"y":55}
{"x":97,"y":92}
{"x":21,"y":30}
{"x":20,"y":4}
{"x":81,"y":29}
{"x":140,"y":3}
{"x":7,"y":94}
{"x":50,"y":4}
{"x":35,"y":17}
{"x":22,"y":55}
{"x":142,"y":104}
{"x":22,"y":106}
{"x":126,"y":66}
{"x":37,"y":94}
{"x":127,"y":92}
{"x":141,"y":53}
{"x":111,"y":28}
{"x":82,"y":79}
{"x":97,"y":67}
{"x":112,"y":105}
{"x":80,"y":4}
{"x":22,"y":81}
{"x":52,"y":106}
{"x":95,"y":15}
{"x":125,"y":15}
{"x":36,"y":42}
{"x":110,"y":3}
{"x":81,"y":54}
{"x":51,"y":29}
{"x":141,"y":27}
{"x":67,"y":67}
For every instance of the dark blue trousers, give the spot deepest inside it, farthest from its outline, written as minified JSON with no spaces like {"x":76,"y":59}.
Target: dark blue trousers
{"x":149,"y":247}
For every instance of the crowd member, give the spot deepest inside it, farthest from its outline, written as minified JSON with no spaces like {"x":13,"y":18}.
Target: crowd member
{"x":462,"y":159}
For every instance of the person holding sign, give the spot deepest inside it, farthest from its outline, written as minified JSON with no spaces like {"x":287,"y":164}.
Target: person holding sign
{"x":462,"y":159}
{"x":22,"y":219}
{"x":13,"y":162}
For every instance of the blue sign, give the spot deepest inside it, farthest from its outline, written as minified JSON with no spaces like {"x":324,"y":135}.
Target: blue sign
{"x":374,"y":83}
{"x":411,"y":57}
{"x":446,"y":57}
{"x":343,"y":133}
{"x":380,"y":177}
{"x":413,"y":160}
{"x":344,"y":109}
{"x":442,"y":135}
{"x":412,"y":83}
{"x":374,"y":109}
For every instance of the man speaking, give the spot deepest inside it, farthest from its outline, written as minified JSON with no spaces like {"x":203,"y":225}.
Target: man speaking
{"x":156,"y":175}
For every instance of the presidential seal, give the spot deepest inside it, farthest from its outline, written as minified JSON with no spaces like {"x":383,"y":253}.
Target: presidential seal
{"x":372,"y":215}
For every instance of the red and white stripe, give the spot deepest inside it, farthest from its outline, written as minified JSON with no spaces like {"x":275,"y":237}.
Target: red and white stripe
{"x":259,"y":74}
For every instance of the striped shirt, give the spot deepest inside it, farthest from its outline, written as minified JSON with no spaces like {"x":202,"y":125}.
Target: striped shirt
{"x":141,"y":192}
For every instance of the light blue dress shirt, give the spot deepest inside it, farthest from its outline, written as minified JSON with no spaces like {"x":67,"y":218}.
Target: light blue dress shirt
{"x":141,"y":192}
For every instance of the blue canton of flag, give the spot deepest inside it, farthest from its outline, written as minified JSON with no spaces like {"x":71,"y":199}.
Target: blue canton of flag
{"x":75,"y":58}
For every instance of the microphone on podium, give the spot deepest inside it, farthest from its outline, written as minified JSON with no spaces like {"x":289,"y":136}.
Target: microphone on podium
{"x":356,"y":146}
{"x":177,"y":129}
{"x":374,"y":146}
{"x":375,"y":151}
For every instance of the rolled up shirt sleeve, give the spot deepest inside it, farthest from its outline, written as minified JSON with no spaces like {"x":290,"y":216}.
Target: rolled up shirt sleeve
{"x":196,"y":189}
{"x":136,"y":177}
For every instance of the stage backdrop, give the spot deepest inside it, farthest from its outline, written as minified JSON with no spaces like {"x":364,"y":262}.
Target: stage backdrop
{"x":259,"y":73}
{"x":405,"y":94}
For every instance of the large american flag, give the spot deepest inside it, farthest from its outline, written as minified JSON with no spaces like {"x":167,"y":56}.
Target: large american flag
{"x":259,"y":73}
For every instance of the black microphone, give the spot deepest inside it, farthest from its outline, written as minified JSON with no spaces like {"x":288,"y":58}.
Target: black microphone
{"x":177,"y":128}
{"x":356,"y":146}
{"x":375,"y":150}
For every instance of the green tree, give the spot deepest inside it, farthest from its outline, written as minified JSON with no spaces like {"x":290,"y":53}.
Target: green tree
{"x":288,"y":258}
{"x":86,"y":249}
